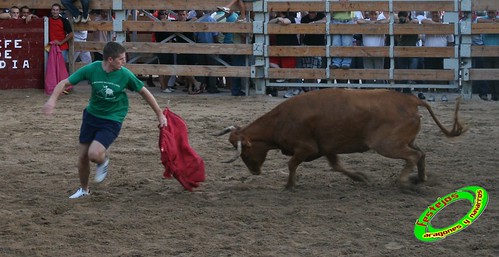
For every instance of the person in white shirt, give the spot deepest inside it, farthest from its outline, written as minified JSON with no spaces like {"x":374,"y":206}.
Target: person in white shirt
{"x":436,"y":40}
{"x":373,"y":40}
{"x":81,"y":36}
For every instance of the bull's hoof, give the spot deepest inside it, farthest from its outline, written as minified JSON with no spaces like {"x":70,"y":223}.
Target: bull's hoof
{"x":361,"y":177}
{"x":414,"y":179}
{"x":289,"y":187}
{"x":409,"y":190}
{"x":407,"y":186}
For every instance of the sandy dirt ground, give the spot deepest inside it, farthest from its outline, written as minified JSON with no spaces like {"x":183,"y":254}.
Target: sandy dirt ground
{"x":135,"y":212}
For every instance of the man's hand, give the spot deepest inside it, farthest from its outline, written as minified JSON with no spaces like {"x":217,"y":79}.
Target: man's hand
{"x":48,"y":108}
{"x":162,"y":121}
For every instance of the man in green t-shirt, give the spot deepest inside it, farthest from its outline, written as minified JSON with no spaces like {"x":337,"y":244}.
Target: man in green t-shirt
{"x":106,"y":109}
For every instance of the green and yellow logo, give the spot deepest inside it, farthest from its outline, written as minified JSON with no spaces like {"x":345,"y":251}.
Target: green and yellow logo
{"x":475,"y":194}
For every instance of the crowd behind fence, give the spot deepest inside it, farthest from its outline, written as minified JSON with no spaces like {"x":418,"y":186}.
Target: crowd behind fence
{"x":134,"y":25}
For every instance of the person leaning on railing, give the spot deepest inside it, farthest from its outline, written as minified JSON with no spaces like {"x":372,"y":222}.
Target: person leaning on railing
{"x":13,"y":13}
{"x":436,"y":40}
{"x":204,"y":59}
{"x":26,"y":13}
{"x":100,"y":35}
{"x":404,"y":17}
{"x":312,"y":62}
{"x":18,"y":13}
{"x":167,"y":82}
{"x":373,"y":40}
{"x":284,"y":19}
{"x":338,"y":40}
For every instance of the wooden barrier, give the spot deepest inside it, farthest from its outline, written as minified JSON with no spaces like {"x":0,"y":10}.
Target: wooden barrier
{"x":456,"y":57}
{"x":21,"y":54}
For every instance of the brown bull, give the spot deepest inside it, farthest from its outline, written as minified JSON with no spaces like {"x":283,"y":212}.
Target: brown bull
{"x":336,"y":121}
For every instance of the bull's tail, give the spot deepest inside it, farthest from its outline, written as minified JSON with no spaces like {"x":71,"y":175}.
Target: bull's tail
{"x":457,"y":128}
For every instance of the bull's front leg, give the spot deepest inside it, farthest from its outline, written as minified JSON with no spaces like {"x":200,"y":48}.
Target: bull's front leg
{"x":292,"y":165}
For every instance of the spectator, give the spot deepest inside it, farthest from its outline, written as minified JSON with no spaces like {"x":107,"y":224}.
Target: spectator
{"x":339,"y":40}
{"x":26,"y":14}
{"x":203,"y":59}
{"x":272,"y":91}
{"x":18,"y":13}
{"x":237,"y":60}
{"x":285,"y":18}
{"x":193,"y":86}
{"x":313,"y":62}
{"x":77,"y":15}
{"x":407,"y":40}
{"x":223,"y":15}
{"x":85,"y":56}
{"x":14,"y":13}
{"x":99,"y":35}
{"x":373,"y":41}
{"x":436,"y":40}
{"x":165,"y":58}
{"x":420,"y":15}
{"x":242,"y":8}
{"x":227,"y":15}
{"x":60,"y":30}
{"x":491,"y":62}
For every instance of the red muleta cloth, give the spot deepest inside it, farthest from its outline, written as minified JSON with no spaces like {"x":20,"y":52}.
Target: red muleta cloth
{"x":56,"y":69}
{"x":178,"y":157}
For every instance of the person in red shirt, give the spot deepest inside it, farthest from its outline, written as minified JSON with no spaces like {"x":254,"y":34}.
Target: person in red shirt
{"x":60,"y":30}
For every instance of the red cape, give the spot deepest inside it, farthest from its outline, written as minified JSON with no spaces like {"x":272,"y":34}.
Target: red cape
{"x":178,"y":157}
{"x":56,"y":69}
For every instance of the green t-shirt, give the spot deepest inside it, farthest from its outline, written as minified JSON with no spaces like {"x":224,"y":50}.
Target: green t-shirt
{"x":108,"y":99}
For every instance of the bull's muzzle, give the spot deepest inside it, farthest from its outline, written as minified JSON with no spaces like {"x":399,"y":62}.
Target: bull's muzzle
{"x":237,"y":154}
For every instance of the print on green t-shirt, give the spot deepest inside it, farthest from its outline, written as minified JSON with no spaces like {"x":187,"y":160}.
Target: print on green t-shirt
{"x":108,"y":99}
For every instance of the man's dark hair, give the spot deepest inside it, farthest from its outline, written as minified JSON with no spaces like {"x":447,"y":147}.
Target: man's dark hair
{"x":58,"y":5}
{"x":403,"y":14}
{"x":113,"y":50}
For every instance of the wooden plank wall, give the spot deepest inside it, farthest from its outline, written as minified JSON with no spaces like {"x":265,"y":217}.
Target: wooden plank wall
{"x":146,"y":26}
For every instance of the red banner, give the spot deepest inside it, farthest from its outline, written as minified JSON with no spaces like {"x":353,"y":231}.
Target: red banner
{"x":21,"y":54}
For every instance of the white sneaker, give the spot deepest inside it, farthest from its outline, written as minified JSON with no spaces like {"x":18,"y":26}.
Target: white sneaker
{"x":79,"y":193}
{"x":85,"y":20}
{"x":223,"y":9}
{"x":168,"y":90}
{"x":101,"y":171}
{"x":292,"y":93}
{"x":77,"y":19}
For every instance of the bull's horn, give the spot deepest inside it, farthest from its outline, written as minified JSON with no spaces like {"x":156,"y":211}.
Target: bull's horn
{"x":225,"y":131}
{"x":238,"y":153}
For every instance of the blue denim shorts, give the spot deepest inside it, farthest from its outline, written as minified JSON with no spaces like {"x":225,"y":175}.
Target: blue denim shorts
{"x":101,"y":130}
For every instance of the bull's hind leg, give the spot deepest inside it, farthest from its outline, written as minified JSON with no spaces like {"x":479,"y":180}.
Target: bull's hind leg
{"x":336,"y":165}
{"x":421,"y":163}
{"x":405,"y":152}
